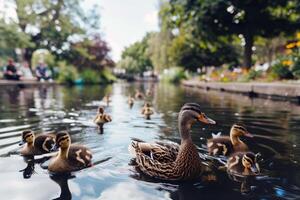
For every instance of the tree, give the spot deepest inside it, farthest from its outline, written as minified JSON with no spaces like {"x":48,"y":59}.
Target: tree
{"x":51,"y":25}
{"x":247,"y":19}
{"x":137,"y":54}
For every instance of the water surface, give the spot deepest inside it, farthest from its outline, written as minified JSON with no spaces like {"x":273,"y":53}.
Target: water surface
{"x":275,"y":124}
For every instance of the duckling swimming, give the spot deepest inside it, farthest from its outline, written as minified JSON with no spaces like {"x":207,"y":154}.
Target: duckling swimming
{"x":138,"y":95}
{"x":70,"y":157}
{"x":101,"y":118}
{"x":224,"y":145}
{"x":130,"y":101}
{"x":173,"y":163}
{"x":36,"y":145}
{"x":243,"y":163}
{"x":147,"y":110}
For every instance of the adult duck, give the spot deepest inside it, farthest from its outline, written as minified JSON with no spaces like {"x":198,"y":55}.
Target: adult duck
{"x":227,"y":145}
{"x":172,"y":162}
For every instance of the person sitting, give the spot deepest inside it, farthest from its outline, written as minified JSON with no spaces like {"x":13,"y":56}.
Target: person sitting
{"x":42,"y":72}
{"x":26,"y":72}
{"x":11,"y":72}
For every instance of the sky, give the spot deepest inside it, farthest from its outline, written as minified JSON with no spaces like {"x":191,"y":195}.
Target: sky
{"x":124,"y":22}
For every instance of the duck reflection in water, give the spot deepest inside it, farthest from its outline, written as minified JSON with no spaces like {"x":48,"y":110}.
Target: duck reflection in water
{"x":28,"y":171}
{"x":62,"y":181}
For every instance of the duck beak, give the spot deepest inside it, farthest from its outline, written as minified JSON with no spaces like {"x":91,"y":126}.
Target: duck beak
{"x":21,"y":143}
{"x":248,"y":135}
{"x":255,"y":168}
{"x":206,"y":120}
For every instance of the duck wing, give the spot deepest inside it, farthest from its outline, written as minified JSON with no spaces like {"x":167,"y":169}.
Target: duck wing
{"x":43,"y":143}
{"x":159,"y":151}
{"x":79,"y":156}
{"x":154,"y":168}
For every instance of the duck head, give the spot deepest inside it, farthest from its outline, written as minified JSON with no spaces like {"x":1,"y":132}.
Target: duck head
{"x":192,"y":113}
{"x":62,"y":141}
{"x":101,"y":110}
{"x":238,"y":130}
{"x":250,"y":164}
{"x":188,"y":115}
{"x":27,"y":137}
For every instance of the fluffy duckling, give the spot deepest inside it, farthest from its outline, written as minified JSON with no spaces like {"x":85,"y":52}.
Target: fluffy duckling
{"x":101,"y":118}
{"x":149,"y":92}
{"x":243,"y":163}
{"x":36,"y":145}
{"x":173,"y":162}
{"x":106,"y":99}
{"x":70,"y":157}
{"x":138,"y":95}
{"x":226,"y":145}
{"x":147,"y":110}
{"x":130,"y":101}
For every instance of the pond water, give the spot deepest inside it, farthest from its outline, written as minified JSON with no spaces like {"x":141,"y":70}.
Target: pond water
{"x":275,"y":125}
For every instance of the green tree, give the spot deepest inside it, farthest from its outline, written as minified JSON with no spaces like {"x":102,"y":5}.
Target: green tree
{"x":52,"y":25}
{"x":138,"y":56}
{"x":247,"y":19}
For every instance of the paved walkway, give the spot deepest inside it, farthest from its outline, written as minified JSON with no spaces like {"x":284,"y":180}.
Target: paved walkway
{"x":281,"y":91}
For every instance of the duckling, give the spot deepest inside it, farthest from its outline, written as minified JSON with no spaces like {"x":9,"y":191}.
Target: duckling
{"x":70,"y":157}
{"x":36,"y":145}
{"x":243,"y":163}
{"x":139,"y":95}
{"x":149,"y":92}
{"x":106,"y":99}
{"x":101,"y":118}
{"x":147,"y":111}
{"x":178,"y":163}
{"x":224,"y":145}
{"x":130,"y":101}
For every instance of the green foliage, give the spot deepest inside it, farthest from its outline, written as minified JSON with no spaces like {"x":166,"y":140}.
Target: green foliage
{"x":68,"y":74}
{"x":174,"y":75}
{"x":280,"y":71}
{"x":135,"y":58}
{"x":253,"y":74}
{"x":90,"y":76}
{"x":107,"y":77}
{"x":209,"y":20}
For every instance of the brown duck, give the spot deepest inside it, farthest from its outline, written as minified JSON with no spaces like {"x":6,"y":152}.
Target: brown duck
{"x":101,"y":119}
{"x":173,"y":162}
{"x":227,"y":145}
{"x":36,"y":145}
{"x":243,"y":163}
{"x":70,"y":157}
{"x":147,"y":110}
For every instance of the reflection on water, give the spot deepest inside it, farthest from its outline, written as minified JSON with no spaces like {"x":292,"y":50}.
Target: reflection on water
{"x":54,"y":108}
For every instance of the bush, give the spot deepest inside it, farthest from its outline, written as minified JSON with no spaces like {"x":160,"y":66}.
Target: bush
{"x":281,"y":71}
{"x":175,"y":75}
{"x":90,"y":76}
{"x":67,"y":74}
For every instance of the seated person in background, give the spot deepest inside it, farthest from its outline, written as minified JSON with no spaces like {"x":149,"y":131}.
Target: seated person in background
{"x":42,"y":72}
{"x":26,"y":72}
{"x":11,"y":72}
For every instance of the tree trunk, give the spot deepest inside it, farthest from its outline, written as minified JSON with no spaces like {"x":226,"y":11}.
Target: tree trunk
{"x":28,"y":56}
{"x":248,"y":50}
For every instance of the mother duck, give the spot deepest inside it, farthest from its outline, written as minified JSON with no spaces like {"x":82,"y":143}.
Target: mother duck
{"x":172,"y":162}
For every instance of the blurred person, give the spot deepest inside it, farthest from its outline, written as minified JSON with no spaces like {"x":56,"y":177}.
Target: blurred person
{"x":11,"y":72}
{"x":26,"y":72}
{"x":42,"y":72}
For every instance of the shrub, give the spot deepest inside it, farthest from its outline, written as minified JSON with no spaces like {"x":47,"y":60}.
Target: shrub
{"x":90,"y":76}
{"x":175,"y":75}
{"x":107,"y":77}
{"x":67,"y":74}
{"x":281,"y":71}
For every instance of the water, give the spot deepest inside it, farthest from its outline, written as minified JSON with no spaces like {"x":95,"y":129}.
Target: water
{"x":276,"y":127}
